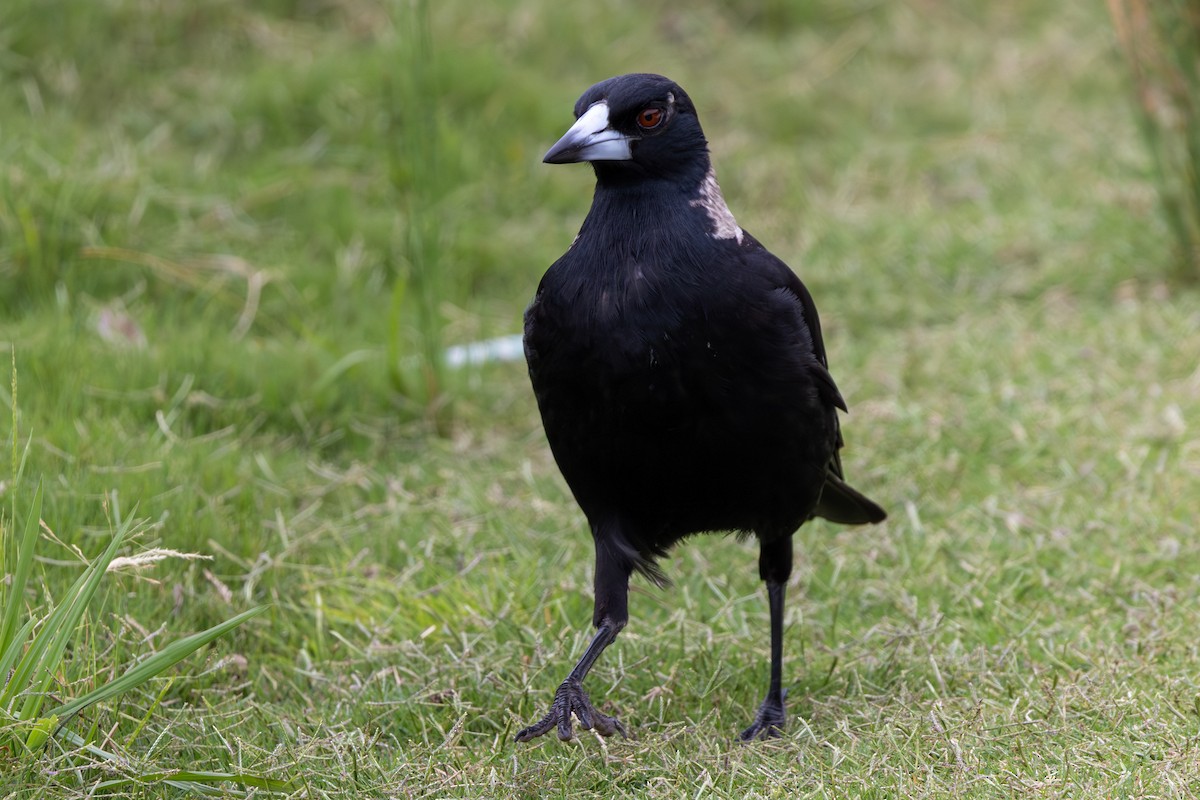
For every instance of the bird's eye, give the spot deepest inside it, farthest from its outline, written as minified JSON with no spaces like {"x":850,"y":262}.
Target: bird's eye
{"x":649,"y":118}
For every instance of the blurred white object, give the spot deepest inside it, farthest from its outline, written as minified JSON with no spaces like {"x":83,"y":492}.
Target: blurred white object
{"x":504,"y":348}
{"x":116,"y":326}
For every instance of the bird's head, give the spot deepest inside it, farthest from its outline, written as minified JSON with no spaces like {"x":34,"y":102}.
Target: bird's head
{"x":635,"y":126}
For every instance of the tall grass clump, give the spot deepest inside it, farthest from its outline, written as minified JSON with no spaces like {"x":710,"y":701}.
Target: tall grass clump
{"x":419,"y":183}
{"x":48,"y":648}
{"x":1160,"y":40}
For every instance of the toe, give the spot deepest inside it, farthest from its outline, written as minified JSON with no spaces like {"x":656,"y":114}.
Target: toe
{"x":768,"y":723}
{"x":607,"y":726}
{"x":570,"y":699}
{"x":536,"y":729}
{"x":565,"y":731}
{"x":583,"y":712}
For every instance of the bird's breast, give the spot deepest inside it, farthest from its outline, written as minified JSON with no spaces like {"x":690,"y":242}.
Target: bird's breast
{"x":664,"y":399}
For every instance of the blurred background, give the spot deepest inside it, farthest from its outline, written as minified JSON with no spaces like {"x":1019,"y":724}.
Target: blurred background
{"x":237,"y":238}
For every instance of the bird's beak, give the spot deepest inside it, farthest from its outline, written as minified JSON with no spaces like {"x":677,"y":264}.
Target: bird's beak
{"x":590,"y":139}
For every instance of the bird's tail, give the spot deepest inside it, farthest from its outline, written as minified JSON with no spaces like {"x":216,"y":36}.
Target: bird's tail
{"x":841,"y":502}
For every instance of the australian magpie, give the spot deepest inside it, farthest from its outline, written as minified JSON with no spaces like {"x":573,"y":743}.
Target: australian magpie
{"x":680,"y":374}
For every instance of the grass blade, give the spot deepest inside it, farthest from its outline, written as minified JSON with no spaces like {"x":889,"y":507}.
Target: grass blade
{"x":164,"y":659}
{"x":201,"y":782}
{"x":8,"y":656}
{"x":15,"y":590}
{"x":206,"y":779}
{"x":60,"y":627}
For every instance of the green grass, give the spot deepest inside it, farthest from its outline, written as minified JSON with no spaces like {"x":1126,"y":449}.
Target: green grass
{"x":961,"y":185}
{"x":1161,"y":42}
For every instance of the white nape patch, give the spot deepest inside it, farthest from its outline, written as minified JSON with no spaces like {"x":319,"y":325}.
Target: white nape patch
{"x":724,"y":226}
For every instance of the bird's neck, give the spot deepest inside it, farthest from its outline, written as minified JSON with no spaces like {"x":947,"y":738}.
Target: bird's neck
{"x":630,"y":211}
{"x":685,"y":171}
{"x":710,"y":200}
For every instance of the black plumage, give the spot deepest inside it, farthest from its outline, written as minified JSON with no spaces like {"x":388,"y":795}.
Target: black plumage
{"x":680,"y":373}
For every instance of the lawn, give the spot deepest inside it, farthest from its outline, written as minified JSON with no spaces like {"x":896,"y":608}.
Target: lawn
{"x":225,"y":228}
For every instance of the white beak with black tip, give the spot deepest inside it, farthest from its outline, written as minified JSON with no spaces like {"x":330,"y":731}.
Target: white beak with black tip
{"x":590,"y":139}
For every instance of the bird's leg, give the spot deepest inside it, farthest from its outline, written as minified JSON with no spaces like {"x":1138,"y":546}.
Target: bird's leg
{"x":775,"y":565}
{"x":611,"y":614}
{"x":769,"y":720}
{"x":572,"y":699}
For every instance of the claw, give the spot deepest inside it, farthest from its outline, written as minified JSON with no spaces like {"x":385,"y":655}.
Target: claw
{"x":572,"y":699}
{"x":768,"y":722}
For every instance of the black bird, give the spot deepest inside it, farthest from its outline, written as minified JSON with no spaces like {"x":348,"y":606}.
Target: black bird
{"x":680,"y":374}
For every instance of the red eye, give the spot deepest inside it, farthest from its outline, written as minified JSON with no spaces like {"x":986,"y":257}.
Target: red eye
{"x":649,"y":118}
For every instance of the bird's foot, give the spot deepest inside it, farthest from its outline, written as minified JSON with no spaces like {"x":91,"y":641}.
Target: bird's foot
{"x":572,"y":699}
{"x":768,"y":722}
